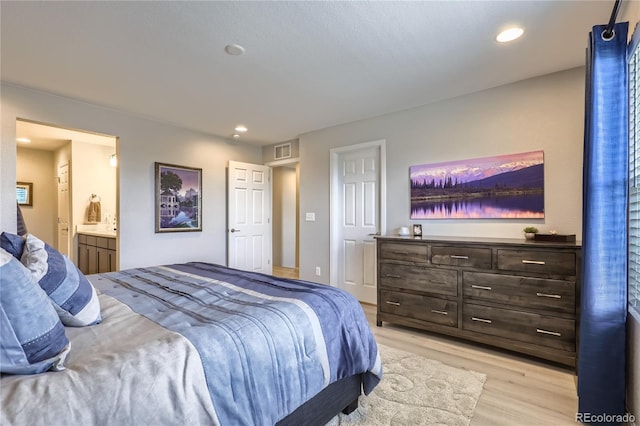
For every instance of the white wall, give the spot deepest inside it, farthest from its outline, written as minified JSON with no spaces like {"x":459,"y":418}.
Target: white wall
{"x":92,"y":174}
{"x":545,"y":113}
{"x":141,"y":142}
{"x":37,"y":166}
{"x":269,"y":154}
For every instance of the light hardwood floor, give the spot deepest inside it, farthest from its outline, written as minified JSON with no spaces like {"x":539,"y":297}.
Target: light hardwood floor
{"x":519,"y":390}
{"x":281,"y":271}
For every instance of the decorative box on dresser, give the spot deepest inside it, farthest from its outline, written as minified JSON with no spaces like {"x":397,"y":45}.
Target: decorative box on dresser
{"x":514,"y":294}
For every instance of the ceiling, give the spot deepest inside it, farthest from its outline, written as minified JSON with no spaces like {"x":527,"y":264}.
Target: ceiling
{"x":307,"y":65}
{"x":48,"y":138}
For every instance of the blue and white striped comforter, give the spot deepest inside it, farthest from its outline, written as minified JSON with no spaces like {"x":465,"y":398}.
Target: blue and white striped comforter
{"x":267,"y":344}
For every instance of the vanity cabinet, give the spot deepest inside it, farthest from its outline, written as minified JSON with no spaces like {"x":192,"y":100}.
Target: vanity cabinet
{"x":513,"y":294}
{"x":96,"y":254}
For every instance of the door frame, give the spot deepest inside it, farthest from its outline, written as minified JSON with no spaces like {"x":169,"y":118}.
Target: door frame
{"x":334,"y":201}
{"x":69,"y":246}
{"x":280,"y":163}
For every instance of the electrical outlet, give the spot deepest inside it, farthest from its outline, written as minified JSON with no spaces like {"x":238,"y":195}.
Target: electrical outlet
{"x":318,"y":272}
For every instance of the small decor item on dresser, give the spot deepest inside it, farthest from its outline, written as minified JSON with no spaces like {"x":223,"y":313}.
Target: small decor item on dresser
{"x":403,"y":231}
{"x":417,"y":230}
{"x":530,"y":232}
{"x":554,"y":237}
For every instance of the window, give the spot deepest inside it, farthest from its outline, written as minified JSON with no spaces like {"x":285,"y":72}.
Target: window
{"x":634,"y":178}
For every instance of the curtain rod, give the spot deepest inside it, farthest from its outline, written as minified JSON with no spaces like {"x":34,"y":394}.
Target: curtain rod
{"x":608,"y":32}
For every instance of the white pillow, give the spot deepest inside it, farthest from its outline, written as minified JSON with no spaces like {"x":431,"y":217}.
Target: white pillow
{"x":73,"y":296}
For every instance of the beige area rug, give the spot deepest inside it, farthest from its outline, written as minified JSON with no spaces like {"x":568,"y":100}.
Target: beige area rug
{"x":417,"y":391}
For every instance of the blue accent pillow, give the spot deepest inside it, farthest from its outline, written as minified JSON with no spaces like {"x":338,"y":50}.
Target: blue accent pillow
{"x":33,"y":338}
{"x":73,"y":296}
{"x":12,"y":243}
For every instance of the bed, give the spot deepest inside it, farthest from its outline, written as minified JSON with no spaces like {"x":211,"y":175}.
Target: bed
{"x":199,"y":343}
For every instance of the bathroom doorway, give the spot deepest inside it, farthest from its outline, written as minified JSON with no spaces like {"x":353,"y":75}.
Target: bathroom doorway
{"x":65,"y":167}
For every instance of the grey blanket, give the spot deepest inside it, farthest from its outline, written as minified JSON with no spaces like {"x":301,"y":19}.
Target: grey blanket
{"x":125,"y":371}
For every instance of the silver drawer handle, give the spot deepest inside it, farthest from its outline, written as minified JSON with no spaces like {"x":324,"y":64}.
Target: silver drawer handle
{"x":393,"y":303}
{"x":435,"y":311}
{"x":552,"y":333}
{"x":552,"y":296}
{"x":392,"y":276}
{"x":533,"y":262}
{"x":481,"y":320}
{"x":456,"y":256}
{"x":481,"y":287}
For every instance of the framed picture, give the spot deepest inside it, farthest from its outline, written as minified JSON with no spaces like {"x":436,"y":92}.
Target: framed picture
{"x":417,"y":230}
{"x":500,"y":187}
{"x":24,"y":193}
{"x":178,"y":198}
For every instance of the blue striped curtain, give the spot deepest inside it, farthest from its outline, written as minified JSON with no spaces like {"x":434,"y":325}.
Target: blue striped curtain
{"x":602,"y":339}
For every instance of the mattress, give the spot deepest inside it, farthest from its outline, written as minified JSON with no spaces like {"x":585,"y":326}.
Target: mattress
{"x":199,"y":343}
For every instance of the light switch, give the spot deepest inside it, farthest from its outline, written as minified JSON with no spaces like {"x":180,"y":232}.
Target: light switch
{"x":310,"y":217}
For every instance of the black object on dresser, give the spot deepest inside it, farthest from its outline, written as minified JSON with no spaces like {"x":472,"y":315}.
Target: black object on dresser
{"x":514,"y":294}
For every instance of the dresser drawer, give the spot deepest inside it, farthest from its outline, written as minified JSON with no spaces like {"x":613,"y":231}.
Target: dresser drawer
{"x":406,"y":252}
{"x":419,"y":307}
{"x":431,"y":280}
{"x":526,"y":327}
{"x":539,"y":261}
{"x":535,"y":293}
{"x":461,"y":256}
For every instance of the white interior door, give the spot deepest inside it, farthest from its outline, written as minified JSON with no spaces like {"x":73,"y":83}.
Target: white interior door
{"x":64,"y":242}
{"x":249,"y":217}
{"x":357,"y":195}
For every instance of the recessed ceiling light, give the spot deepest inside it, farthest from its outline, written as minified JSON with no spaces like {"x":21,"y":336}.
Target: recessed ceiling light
{"x":241,"y":128}
{"x":509,"y":34}
{"x":23,"y":140}
{"x":234,"y":49}
{"x":236,"y":136}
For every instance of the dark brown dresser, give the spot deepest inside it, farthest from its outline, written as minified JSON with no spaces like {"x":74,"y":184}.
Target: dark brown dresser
{"x":514,"y":294}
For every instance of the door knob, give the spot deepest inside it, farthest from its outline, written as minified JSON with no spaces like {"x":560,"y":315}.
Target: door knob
{"x":234,"y":230}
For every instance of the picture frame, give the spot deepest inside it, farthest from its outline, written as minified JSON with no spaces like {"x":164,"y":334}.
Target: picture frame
{"x":500,"y":187}
{"x":24,"y":193}
{"x":178,"y":198}
{"x":417,"y":230}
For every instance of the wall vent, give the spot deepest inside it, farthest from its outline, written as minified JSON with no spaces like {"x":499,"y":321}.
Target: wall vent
{"x":282,"y":151}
